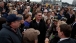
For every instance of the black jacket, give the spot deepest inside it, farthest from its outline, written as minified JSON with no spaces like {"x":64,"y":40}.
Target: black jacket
{"x":71,"y":19}
{"x":22,"y":27}
{"x":41,"y":27}
{"x":70,"y":40}
{"x":2,"y":21}
{"x":51,"y":30}
{"x":73,"y":34}
{"x":7,"y":35}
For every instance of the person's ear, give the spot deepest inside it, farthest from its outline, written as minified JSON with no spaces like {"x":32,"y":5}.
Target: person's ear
{"x":62,"y":33}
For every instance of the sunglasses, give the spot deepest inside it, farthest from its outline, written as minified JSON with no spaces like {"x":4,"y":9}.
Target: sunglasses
{"x":39,"y":15}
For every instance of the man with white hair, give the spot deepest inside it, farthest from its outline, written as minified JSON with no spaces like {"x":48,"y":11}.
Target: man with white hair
{"x":28,"y":7}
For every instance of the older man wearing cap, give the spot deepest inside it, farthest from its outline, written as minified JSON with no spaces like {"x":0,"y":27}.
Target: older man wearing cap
{"x":10,"y":32}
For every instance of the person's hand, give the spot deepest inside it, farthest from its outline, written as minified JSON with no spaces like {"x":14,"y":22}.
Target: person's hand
{"x":46,"y":40}
{"x":3,"y":10}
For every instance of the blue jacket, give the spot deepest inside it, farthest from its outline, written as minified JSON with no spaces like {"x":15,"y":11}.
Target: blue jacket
{"x":26,"y":25}
{"x":7,"y":35}
{"x":59,"y":16}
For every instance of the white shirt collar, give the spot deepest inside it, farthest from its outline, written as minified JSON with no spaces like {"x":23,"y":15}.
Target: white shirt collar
{"x":74,"y":23}
{"x":63,"y":39}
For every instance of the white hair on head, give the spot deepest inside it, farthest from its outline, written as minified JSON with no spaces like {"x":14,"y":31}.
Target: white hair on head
{"x":28,"y":6}
{"x":13,"y":11}
{"x":19,"y":15}
{"x":61,"y":22}
{"x":45,"y":10}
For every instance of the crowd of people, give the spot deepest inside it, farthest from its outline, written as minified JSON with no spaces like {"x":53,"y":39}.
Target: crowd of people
{"x":29,"y":22}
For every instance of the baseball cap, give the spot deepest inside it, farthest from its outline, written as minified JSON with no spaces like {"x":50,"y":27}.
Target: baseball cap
{"x":63,"y":19}
{"x":55,"y":18}
{"x":12,"y":17}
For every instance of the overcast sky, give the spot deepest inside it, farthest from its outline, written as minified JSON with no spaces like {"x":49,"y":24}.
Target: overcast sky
{"x":69,"y":1}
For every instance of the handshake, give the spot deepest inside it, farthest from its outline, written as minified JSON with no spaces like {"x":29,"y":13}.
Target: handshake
{"x":46,"y":40}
